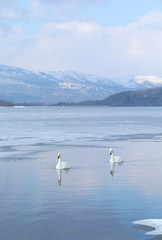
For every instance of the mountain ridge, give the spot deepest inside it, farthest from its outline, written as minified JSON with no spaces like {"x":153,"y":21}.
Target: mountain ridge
{"x":19,"y":85}
{"x":23,"y":86}
{"x":145,"y":97}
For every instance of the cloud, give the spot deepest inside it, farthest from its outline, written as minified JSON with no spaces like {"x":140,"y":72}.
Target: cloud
{"x":8,"y":3}
{"x":151,"y":20}
{"x":69,"y":10}
{"x":10,"y":14}
{"x":78,"y":2}
{"x":36,"y":9}
{"x":88,"y":47}
{"x":58,"y":9}
{"x":72,"y":27}
{"x":6,"y":31}
{"x":10,"y":10}
{"x":63,"y":46}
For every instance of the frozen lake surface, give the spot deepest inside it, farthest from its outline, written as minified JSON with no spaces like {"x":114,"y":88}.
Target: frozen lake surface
{"x":87,"y":202}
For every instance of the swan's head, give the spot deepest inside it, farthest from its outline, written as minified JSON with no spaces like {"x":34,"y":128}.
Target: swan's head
{"x":111,"y":151}
{"x":58,"y":155}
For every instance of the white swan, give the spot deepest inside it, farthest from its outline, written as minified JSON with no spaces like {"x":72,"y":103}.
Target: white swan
{"x":154,"y":223}
{"x":114,"y":159}
{"x":61,"y":165}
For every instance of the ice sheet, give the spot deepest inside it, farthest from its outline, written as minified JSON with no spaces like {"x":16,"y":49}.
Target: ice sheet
{"x":155,"y":223}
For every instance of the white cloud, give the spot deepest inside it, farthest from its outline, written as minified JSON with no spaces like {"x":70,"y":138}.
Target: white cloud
{"x":36,"y":10}
{"x":6,"y":31}
{"x":151,"y":20}
{"x":10,"y":14}
{"x":59,"y":9}
{"x":72,"y":27}
{"x":8,"y":3}
{"x":69,"y":10}
{"x":88,"y":47}
{"x":10,"y":10}
{"x":14,"y":11}
{"x":78,"y":2}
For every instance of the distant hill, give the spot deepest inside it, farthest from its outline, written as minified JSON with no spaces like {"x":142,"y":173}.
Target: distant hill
{"x":6,"y":104}
{"x":18,"y":85}
{"x":22,"y":86}
{"x":147,"y":97}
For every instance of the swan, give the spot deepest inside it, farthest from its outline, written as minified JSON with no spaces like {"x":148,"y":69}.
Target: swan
{"x":114,"y":159}
{"x":61,"y":165}
{"x":154,"y":223}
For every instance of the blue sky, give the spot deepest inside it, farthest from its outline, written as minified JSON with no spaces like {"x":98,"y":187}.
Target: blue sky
{"x":104,"y":37}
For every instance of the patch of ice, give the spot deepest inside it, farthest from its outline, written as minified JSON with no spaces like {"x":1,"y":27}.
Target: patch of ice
{"x":154,"y":223}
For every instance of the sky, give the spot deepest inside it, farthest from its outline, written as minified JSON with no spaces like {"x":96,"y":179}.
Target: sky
{"x":102,"y":37}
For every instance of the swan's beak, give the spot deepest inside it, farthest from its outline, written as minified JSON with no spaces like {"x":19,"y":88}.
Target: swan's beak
{"x":58,"y":155}
{"x":111,"y":152}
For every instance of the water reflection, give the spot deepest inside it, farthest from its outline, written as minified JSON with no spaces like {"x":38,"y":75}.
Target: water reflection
{"x":148,"y":229}
{"x":112,"y":167}
{"x":59,"y":173}
{"x":154,"y":224}
{"x":156,"y":238}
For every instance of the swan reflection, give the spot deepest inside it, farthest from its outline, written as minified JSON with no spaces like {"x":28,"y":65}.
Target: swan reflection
{"x":112,"y":167}
{"x":59,"y":173}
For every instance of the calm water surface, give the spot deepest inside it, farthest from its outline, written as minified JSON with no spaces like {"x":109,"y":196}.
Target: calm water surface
{"x":87,"y":202}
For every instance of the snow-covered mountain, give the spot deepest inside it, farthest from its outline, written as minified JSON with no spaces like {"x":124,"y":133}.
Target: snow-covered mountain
{"x":139,"y":81}
{"x":19,"y":86}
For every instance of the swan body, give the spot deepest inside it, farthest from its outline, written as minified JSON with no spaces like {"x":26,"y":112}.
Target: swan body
{"x":61,"y":165}
{"x":114,"y":159}
{"x":154,"y":223}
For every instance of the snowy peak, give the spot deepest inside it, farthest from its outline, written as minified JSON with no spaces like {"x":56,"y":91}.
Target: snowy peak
{"x":144,"y":81}
{"x":150,"y":79}
{"x":71,"y":76}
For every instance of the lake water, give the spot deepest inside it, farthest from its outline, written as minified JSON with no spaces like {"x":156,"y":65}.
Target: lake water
{"x":87,"y":202}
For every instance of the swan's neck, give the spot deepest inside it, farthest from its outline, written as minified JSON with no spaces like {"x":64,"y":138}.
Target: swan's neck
{"x":59,"y":161}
